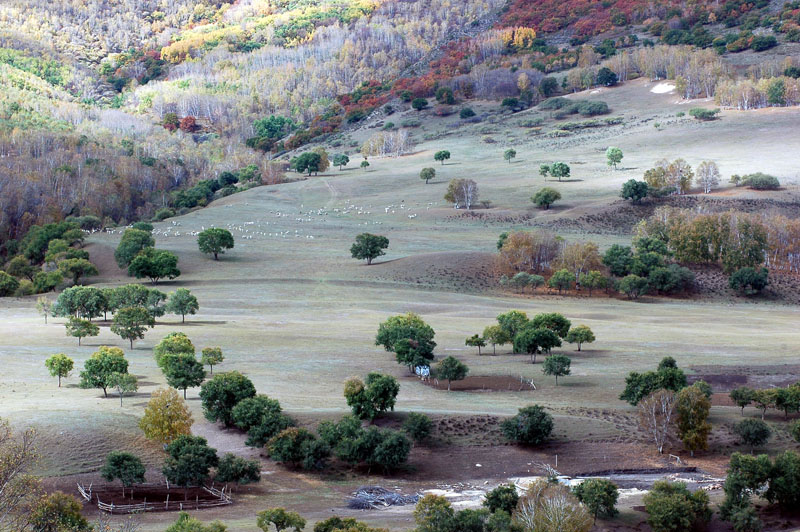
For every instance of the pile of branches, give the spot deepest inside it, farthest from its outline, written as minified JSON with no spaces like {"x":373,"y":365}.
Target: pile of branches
{"x":372,"y":497}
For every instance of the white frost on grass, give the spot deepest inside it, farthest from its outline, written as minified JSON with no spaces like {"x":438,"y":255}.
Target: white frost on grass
{"x":663,"y":88}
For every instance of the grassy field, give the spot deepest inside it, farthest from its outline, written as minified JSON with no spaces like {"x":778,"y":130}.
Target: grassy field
{"x":297,"y":315}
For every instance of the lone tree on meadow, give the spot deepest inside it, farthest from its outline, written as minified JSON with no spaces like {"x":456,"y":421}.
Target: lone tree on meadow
{"x":182,"y":302}
{"x":211,"y":357}
{"x":132,"y":242}
{"x":369,"y":247}
{"x":634,"y":190}
{"x":123,"y":383}
{"x":59,"y":365}
{"x":557,"y":366}
{"x":280,"y":519}
{"x":546,"y":197}
{"x":451,"y":369}
{"x":427,"y":174}
{"x":340,"y":160}
{"x":215,"y":240}
{"x":123,"y":466}
{"x":99,"y":368}
{"x":613,"y":156}
{"x":559,"y":170}
{"x":509,"y":154}
{"x":44,"y":307}
{"x":80,"y":328}
{"x":166,"y":417}
{"x":308,"y":162}
{"x":475,"y":341}
{"x":441,"y":156}
{"x":580,"y":335}
{"x":130,"y":323}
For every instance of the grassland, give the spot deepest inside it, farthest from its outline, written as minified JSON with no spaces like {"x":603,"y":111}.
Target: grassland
{"x":297,"y":315}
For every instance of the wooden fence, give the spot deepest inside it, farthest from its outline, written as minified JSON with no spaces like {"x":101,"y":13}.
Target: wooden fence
{"x":221,"y":499}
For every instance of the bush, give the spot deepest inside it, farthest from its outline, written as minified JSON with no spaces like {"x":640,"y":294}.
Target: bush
{"x":419,"y":103}
{"x":531,"y":426}
{"x":466,"y":112}
{"x":232,"y":468}
{"x":703,"y":114}
{"x":749,"y":281}
{"x":417,"y":426}
{"x":752,"y":432}
{"x":763,"y":42}
{"x":592,"y":108}
{"x":503,"y":497}
{"x":760,"y":181}
{"x":411,"y":122}
{"x":163,"y":214}
{"x":671,"y":506}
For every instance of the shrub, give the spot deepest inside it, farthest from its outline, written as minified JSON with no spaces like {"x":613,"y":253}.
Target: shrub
{"x":417,"y":426}
{"x":531,"y":426}
{"x":749,"y":281}
{"x":419,"y":103}
{"x":163,"y":214}
{"x":763,"y":42}
{"x":752,"y":432}
{"x":703,"y":114}
{"x":760,"y":181}
{"x":671,"y":506}
{"x":466,"y":112}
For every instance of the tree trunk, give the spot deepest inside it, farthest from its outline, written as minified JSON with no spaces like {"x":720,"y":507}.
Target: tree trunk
{"x":579,"y":346}
{"x":556,"y":380}
{"x":479,"y":350}
{"x":105,"y":394}
{"x":448,"y":385}
{"x":494,"y":349}
{"x":211,"y":367}
{"x":183,"y":320}
{"x":59,"y":381}
{"x":184,"y":393}
{"x":131,"y":343}
{"x":120,"y":405}
{"x":79,"y":340}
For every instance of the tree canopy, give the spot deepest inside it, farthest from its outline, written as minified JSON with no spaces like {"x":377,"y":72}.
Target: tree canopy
{"x":369,"y":247}
{"x":214,"y":241}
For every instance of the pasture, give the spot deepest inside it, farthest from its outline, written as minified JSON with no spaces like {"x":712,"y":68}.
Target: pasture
{"x":297,"y":315}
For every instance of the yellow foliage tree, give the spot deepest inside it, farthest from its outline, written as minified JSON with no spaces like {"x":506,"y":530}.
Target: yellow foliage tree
{"x":166,"y":417}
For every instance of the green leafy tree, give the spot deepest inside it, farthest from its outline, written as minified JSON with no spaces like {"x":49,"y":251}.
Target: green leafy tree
{"x":534,"y":340}
{"x":189,"y":461}
{"x":544,"y":170}
{"x":417,"y":426}
{"x":297,"y":446}
{"x":57,"y":512}
{"x":340,"y":160}
{"x":670,"y":506}
{"x":130,"y":323}
{"x":365,"y":164}
{"x":640,"y":385}
{"x":693,"y":408}
{"x":183,"y":371}
{"x":559,"y":170}
{"x":512,"y":322}
{"x":232,"y":468}
{"x":504,"y":498}
{"x":742,"y":396}
{"x":634,"y":190}
{"x":561,"y":280}
{"x":404,"y":327}
{"x":132,"y":242}
{"x":99,"y":368}
{"x":280,"y":519}
{"x":154,"y":264}
{"x":249,"y":412}
{"x":214,"y":241}
{"x":441,"y":156}
{"x":419,"y":103}
{"x":211,"y":357}
{"x":531,"y":426}
{"x":77,"y":268}
{"x":557,"y":366}
{"x":20,"y":267}
{"x":451,"y":369}
{"x":496,"y":335}
{"x":592,"y":280}
{"x":554,"y":321}
{"x":123,"y":383}
{"x":599,"y":495}
{"x":427,"y":174}
{"x":784,"y":482}
{"x":475,"y":341}
{"x":220,"y":394}
{"x":619,"y":260}
{"x":79,"y":328}
{"x":182,"y":302}
{"x":175,"y":343}
{"x":763,"y":399}
{"x":82,"y":301}
{"x":749,"y":281}
{"x":633,"y":286}
{"x":546,"y":197}
{"x":580,"y":335}
{"x":369,"y":247}
{"x":752,"y":433}
{"x":126,"y":467}
{"x":307,"y":162}
{"x":509,"y":154}
{"x":613,"y":156}
{"x":59,"y":365}
{"x":369,"y":398}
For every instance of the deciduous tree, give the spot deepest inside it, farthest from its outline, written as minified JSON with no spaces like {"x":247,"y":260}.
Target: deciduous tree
{"x":214,"y":241}
{"x":580,"y":335}
{"x":100,"y":367}
{"x":126,"y":467}
{"x":183,"y":371}
{"x":557,"y":366}
{"x":613,"y":156}
{"x":657,"y":416}
{"x":546,"y":197}
{"x":182,"y":302}
{"x":211,"y":357}
{"x":220,"y":394}
{"x":531,"y":426}
{"x":80,"y":328}
{"x":59,"y":365}
{"x":369,"y":247}
{"x":124,"y":383}
{"x":427,"y":174}
{"x":132,"y":242}
{"x":280,"y":519}
{"x":451,"y":369}
{"x":154,"y":264}
{"x":130,"y":323}
{"x":166,"y":417}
